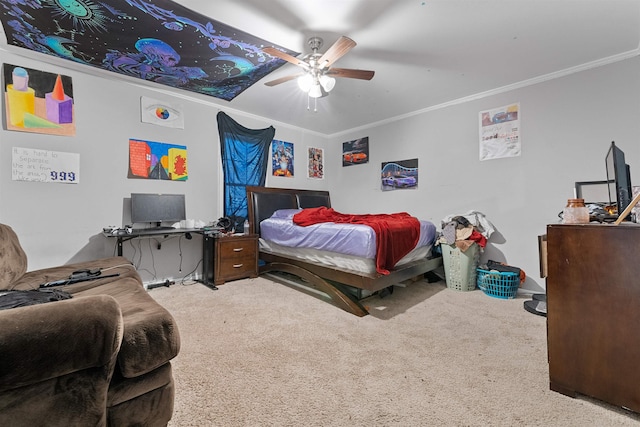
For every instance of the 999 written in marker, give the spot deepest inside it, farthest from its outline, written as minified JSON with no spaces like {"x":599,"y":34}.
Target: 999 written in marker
{"x":62,"y":176}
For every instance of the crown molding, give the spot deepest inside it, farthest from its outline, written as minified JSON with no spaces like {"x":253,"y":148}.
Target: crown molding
{"x":519,"y":85}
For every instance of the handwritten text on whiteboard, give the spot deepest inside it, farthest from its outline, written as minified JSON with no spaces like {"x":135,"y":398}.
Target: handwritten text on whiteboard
{"x":29,"y":164}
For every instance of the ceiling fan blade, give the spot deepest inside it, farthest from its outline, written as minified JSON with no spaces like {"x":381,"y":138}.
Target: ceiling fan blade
{"x":279,"y":54}
{"x":350,"y":73}
{"x":283,"y":79}
{"x":336,"y":51}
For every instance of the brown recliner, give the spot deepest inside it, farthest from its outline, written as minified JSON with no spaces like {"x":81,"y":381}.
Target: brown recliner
{"x":99,"y":358}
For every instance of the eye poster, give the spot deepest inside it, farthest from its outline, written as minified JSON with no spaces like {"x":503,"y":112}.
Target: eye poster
{"x":161,"y":113}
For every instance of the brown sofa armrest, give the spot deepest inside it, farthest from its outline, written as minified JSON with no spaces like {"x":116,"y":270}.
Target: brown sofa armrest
{"x":49,"y":340}
{"x":151,"y":337}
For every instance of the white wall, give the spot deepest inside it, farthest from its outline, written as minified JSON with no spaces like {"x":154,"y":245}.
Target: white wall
{"x":62,"y":223}
{"x":567,"y":125}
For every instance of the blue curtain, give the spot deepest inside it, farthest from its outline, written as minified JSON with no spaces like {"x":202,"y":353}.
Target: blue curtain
{"x":245,"y":156}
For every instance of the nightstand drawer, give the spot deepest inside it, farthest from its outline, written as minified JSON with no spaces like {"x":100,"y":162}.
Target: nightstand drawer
{"x":235,"y":268}
{"x":236,"y":257}
{"x":232,"y":248}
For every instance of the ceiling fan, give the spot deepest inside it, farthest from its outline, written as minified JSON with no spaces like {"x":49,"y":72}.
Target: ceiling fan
{"x":317,"y":79}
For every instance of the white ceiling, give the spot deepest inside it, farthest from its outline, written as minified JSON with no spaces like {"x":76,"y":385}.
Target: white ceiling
{"x":426,"y":53}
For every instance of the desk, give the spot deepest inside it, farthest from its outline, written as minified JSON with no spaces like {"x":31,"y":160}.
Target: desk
{"x":224,"y":257}
{"x":123,"y":236}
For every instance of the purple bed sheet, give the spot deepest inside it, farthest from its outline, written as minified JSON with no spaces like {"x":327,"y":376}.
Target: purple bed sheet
{"x":349,"y":239}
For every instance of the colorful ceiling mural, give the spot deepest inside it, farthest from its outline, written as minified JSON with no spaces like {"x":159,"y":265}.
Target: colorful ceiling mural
{"x":159,"y":41}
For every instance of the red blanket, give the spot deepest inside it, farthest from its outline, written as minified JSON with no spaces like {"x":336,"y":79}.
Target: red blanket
{"x":396,"y":234}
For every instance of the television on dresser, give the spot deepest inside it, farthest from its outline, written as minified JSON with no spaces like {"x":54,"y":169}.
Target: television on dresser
{"x":157,"y":208}
{"x":618,"y":178}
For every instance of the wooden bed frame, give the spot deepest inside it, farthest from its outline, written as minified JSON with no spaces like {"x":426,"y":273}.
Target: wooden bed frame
{"x":330,"y":281}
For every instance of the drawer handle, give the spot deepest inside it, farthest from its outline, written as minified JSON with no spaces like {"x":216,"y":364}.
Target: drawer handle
{"x":237,"y":249}
{"x":237,"y":265}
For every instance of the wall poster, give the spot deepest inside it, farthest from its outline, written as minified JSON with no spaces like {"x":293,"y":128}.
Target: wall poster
{"x":28,"y":164}
{"x":38,"y":102}
{"x":315,"y":169}
{"x":282,"y":158}
{"x":157,"y":160}
{"x":355,"y":152}
{"x":161,"y":113}
{"x":399,"y":174}
{"x":500,"y":132}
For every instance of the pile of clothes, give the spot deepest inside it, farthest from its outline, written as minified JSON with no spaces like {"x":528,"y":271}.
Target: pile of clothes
{"x":465,"y":230}
{"x":501,"y":267}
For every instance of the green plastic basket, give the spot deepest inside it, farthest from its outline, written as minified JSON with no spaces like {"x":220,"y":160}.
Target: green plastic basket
{"x":460,"y":267}
{"x":498,"y":284}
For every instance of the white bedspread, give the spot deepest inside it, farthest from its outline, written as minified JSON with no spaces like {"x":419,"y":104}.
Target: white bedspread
{"x":351,"y":246}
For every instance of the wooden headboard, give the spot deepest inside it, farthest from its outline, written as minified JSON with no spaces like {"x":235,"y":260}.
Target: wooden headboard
{"x":264,"y":201}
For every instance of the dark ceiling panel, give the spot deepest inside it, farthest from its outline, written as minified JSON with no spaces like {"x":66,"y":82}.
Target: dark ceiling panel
{"x":159,"y":41}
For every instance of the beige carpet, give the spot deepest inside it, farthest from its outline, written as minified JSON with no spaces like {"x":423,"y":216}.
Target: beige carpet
{"x":257,"y":353}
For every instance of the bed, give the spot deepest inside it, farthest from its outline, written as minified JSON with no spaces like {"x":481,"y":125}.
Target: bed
{"x":342,"y":280}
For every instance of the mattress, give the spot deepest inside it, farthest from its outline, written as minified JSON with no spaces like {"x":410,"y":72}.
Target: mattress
{"x":347,"y":246}
{"x":341,"y":261}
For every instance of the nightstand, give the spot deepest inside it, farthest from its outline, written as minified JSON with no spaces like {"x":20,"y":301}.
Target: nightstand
{"x":229,"y":258}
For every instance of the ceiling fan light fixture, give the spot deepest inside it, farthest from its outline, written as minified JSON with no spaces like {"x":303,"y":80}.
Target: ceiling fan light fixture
{"x":305,"y":82}
{"x":315,"y":91}
{"x":327,"y":83}
{"x":317,"y":79}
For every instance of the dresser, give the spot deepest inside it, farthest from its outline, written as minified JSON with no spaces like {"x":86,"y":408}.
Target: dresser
{"x":593,"y":311}
{"x":229,"y":258}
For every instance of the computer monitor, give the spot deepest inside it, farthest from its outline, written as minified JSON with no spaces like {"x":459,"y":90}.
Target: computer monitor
{"x":618,"y":178}
{"x":157,"y":208}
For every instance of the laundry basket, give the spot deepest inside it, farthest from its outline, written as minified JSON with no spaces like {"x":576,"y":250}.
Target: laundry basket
{"x":460,"y":267}
{"x":498,"y":284}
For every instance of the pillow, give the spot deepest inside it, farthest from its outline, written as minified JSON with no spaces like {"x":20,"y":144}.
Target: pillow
{"x":13,"y":260}
{"x":285,"y":213}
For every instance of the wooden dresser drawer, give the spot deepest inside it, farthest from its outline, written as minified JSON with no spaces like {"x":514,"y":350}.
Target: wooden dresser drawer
{"x":236,"y":257}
